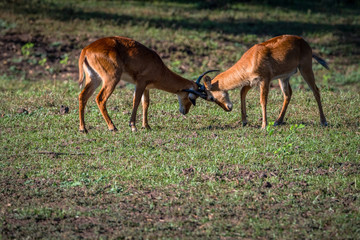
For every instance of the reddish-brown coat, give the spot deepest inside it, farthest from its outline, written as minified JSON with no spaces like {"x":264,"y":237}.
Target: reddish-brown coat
{"x":108,"y":60}
{"x":277,"y":58}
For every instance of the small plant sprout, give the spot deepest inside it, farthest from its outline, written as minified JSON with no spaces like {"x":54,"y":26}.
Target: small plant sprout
{"x":270,"y":128}
{"x":65,"y":59}
{"x":42,"y":61}
{"x":26,"y":49}
{"x":287,"y":148}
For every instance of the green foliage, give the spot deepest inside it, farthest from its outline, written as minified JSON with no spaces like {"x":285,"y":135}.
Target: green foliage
{"x":195,"y":38}
{"x":64,"y":59}
{"x":42,"y":61}
{"x":27,"y":49}
{"x":270,"y":129}
{"x":289,"y":141}
{"x":203,"y":169}
{"x":286,"y":143}
{"x":197,"y":176}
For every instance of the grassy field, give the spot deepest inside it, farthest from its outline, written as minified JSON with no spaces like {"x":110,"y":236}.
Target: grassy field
{"x":202,"y":175}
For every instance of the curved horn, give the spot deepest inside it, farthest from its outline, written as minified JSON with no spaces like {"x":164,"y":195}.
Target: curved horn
{"x":202,"y":75}
{"x":200,"y":94}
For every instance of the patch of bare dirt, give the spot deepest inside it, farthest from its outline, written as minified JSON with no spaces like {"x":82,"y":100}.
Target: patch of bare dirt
{"x":236,"y":173}
{"x":35,"y":56}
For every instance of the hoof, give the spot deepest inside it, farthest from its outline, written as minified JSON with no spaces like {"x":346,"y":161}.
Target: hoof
{"x":276,"y":123}
{"x":325,"y":124}
{"x":244,"y":124}
{"x":113,"y":130}
{"x":132,"y":126}
{"x":147,"y":127}
{"x":84,"y":131}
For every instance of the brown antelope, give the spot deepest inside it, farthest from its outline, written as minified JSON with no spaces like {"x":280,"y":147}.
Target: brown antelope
{"x":108,"y":60}
{"x":277,"y":58}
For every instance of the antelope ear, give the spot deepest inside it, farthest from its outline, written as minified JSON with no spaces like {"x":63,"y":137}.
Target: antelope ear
{"x":207,"y":82}
{"x":192,"y":98}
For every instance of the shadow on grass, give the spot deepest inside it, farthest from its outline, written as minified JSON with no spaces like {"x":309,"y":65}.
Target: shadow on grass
{"x":329,"y":6}
{"x":226,"y":25}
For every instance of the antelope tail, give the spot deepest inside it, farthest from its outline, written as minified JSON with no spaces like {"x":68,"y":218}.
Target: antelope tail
{"x":81,"y":68}
{"x":321,"y":61}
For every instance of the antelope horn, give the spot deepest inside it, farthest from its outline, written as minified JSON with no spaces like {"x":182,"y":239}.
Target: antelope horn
{"x":200,"y":94}
{"x":202,"y":88}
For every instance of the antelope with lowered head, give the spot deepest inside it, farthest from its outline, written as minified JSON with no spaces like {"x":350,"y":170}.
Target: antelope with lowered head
{"x":277,"y":58}
{"x":110,"y":59}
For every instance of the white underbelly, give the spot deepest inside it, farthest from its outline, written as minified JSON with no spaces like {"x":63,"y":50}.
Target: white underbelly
{"x":285,"y":75}
{"x":127,"y":78}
